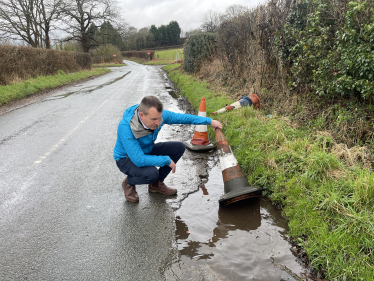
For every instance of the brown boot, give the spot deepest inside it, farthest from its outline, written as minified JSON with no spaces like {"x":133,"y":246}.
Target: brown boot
{"x":130,"y":192}
{"x":160,"y":187}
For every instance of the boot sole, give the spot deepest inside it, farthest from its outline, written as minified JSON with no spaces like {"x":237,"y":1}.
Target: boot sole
{"x":157,"y":191}
{"x":131,"y":200}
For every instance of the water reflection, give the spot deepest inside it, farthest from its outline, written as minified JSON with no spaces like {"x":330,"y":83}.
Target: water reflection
{"x":236,"y":241}
{"x":203,"y":188}
{"x":244,"y":215}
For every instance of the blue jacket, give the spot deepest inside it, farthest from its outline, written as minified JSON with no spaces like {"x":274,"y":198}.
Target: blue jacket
{"x":137,"y":149}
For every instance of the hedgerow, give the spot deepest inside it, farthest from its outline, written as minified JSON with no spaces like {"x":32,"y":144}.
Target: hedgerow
{"x":329,"y":46}
{"x":22,"y":63}
{"x":198,"y":48}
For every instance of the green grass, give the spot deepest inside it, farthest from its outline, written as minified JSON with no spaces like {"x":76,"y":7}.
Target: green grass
{"x":329,"y":204}
{"x":164,"y":57}
{"x":167,"y":54}
{"x":160,"y":62}
{"x":108,"y":65}
{"x":35,"y":85}
{"x":137,"y":60}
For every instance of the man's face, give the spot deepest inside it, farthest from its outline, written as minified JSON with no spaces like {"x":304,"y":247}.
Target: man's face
{"x":152,"y":119}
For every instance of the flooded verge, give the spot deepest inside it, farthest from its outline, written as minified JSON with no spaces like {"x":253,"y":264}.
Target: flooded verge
{"x":243,"y":241}
{"x":237,"y":241}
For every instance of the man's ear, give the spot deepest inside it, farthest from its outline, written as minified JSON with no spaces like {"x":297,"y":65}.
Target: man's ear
{"x":141,"y":115}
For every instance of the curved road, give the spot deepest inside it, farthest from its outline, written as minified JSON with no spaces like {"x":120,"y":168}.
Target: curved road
{"x":63,"y":215}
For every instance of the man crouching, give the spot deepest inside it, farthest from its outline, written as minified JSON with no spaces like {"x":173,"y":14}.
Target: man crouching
{"x":136,"y":153}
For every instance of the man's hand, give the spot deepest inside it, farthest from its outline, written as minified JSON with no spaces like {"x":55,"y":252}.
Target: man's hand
{"x":216,"y":124}
{"x":172,"y":166}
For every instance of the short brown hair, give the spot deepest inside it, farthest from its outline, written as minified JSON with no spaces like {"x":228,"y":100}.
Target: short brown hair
{"x":148,"y":102}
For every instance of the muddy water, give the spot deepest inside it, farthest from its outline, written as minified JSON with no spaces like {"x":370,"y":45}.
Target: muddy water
{"x":235,"y":242}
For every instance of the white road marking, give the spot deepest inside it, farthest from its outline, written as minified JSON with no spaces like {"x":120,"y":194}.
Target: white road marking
{"x":53,"y":148}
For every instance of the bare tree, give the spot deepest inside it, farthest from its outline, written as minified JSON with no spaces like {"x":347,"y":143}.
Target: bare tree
{"x":235,"y":10}
{"x":49,"y":12}
{"x":192,"y":31}
{"x":80,"y":14}
{"x":28,"y":20}
{"x":130,"y":37}
{"x":211,"y":21}
{"x":17,"y":21}
{"x":142,"y":38}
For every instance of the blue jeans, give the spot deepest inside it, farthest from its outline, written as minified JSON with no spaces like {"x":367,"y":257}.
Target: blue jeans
{"x":245,"y":101}
{"x":146,"y":175}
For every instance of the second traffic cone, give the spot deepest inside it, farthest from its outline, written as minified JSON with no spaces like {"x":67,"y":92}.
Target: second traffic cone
{"x":251,"y":100}
{"x":255,"y":101}
{"x":200,"y":140}
{"x":229,"y":107}
{"x":236,"y":186}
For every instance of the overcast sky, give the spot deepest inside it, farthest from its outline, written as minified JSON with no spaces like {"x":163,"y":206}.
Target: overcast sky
{"x":188,"y":13}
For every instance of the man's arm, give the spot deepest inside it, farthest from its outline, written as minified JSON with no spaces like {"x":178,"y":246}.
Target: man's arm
{"x":136,"y":154}
{"x":179,"y":118}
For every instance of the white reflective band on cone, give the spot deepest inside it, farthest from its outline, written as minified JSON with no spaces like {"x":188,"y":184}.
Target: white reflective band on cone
{"x":236,"y":105}
{"x":201,"y":128}
{"x":221,"y":110}
{"x":227,"y":161}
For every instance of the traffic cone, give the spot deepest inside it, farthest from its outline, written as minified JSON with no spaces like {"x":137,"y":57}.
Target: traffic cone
{"x":229,"y":107}
{"x":200,"y":140}
{"x":255,"y":102}
{"x":235,"y":183}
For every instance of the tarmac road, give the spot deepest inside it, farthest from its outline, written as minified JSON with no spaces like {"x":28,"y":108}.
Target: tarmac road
{"x":63,"y":215}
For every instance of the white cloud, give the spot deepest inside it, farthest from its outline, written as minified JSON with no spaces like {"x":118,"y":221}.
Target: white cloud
{"x":188,"y":13}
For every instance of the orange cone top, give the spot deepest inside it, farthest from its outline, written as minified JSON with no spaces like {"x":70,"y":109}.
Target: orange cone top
{"x":202,"y":105}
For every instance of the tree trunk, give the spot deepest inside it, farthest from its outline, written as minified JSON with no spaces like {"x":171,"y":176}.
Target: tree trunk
{"x":84,"y":42}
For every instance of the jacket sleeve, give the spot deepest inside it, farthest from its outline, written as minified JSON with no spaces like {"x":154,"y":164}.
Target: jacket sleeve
{"x":136,"y":154}
{"x":179,"y":118}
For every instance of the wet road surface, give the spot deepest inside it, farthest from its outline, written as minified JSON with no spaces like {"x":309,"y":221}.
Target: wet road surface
{"x":63,"y":214}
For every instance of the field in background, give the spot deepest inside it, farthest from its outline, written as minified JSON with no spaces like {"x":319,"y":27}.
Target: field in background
{"x":167,"y":57}
{"x":163,"y":57}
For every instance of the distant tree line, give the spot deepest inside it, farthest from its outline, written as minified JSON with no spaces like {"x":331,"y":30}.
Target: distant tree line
{"x":165,"y":35}
{"x":82,"y":25}
{"x":103,"y":35}
{"x":35,"y":22}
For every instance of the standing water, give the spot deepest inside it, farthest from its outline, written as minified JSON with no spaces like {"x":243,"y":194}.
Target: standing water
{"x":236,"y":242}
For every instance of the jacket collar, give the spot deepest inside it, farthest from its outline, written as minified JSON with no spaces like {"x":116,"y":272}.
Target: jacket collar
{"x":137,"y":126}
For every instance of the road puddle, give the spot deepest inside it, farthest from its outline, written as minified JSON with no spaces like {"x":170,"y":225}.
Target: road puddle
{"x":86,"y":90}
{"x":237,"y":241}
{"x":174,"y":94}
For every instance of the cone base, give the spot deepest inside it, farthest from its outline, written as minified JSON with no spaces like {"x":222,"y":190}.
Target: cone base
{"x":194,"y":147}
{"x":241,"y":194}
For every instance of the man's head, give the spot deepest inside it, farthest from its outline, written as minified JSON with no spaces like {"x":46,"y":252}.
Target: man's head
{"x":150,"y":112}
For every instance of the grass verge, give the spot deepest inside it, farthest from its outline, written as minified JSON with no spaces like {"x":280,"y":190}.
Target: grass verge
{"x":108,"y":65}
{"x":160,"y":62}
{"x":325,"y":192}
{"x":35,"y":85}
